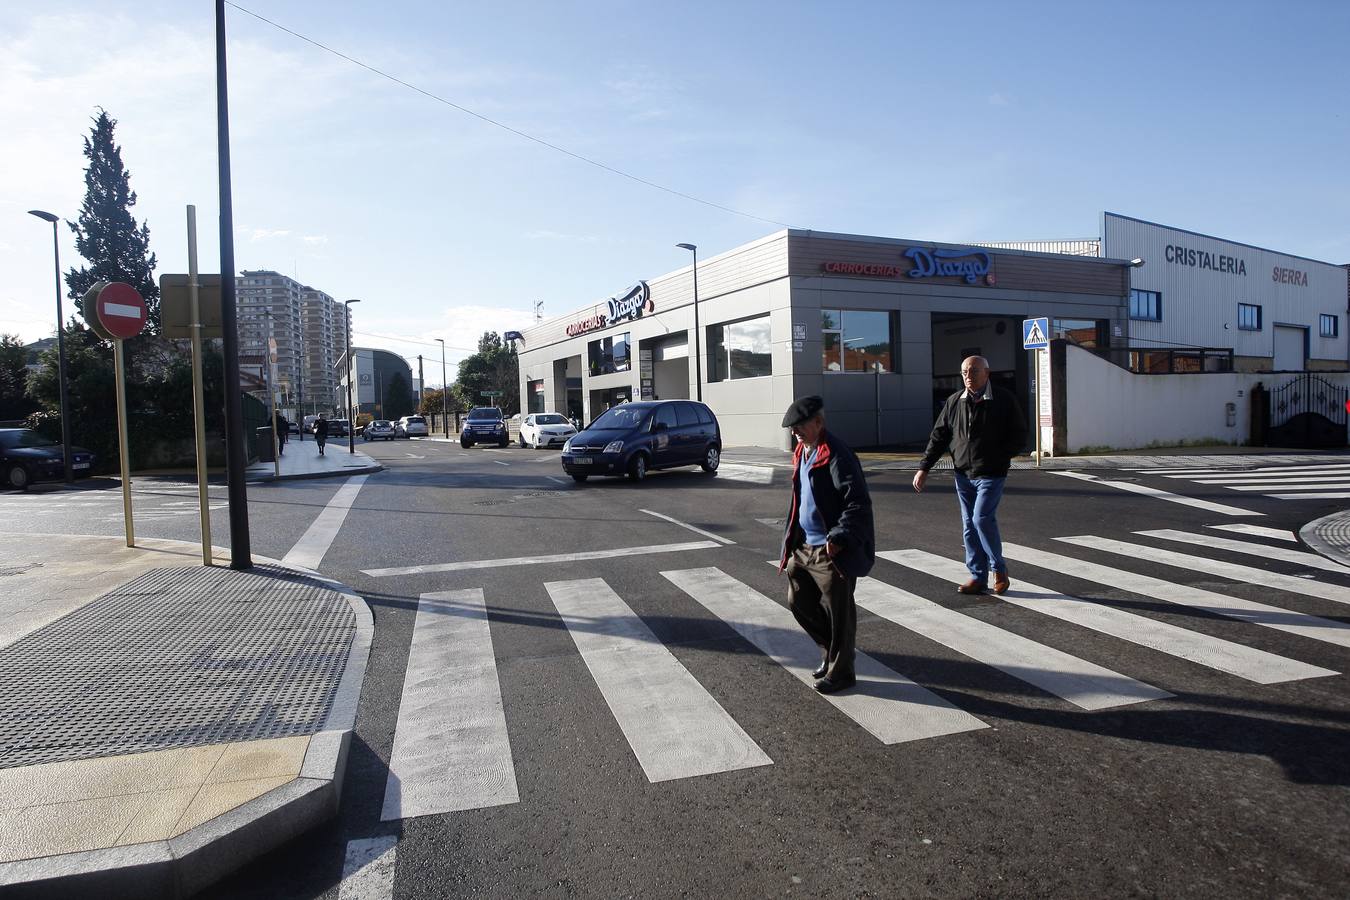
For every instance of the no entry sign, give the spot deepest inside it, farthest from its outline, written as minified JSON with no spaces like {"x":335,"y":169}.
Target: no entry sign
{"x":120,"y":310}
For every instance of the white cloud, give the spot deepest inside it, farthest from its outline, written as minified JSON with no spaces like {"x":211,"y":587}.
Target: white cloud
{"x":314,"y":240}
{"x":264,"y":234}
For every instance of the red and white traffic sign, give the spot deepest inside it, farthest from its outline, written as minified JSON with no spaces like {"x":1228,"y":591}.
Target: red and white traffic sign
{"x":121,"y":310}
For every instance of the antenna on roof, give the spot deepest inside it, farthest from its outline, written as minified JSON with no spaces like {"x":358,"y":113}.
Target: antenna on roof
{"x":539,"y":310}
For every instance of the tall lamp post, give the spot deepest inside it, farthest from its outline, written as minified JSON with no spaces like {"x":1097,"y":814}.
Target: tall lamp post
{"x":445,"y":416}
{"x":698,"y":354}
{"x":60,"y":348}
{"x":351,"y":419}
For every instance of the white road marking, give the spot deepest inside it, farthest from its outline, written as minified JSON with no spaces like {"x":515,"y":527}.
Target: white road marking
{"x":1248,"y":574}
{"x":1163,"y":495}
{"x":1287,"y":470}
{"x":451,"y":748}
{"x":675,"y":727}
{"x":500,"y":463}
{"x":707,"y":534}
{"x":556,"y":478}
{"x":1214,"y":653}
{"x":309,"y":551}
{"x":542,"y":560}
{"x":1276,"y":486}
{"x":885,"y":703}
{"x":1084,"y":684}
{"x":1265,"y":551}
{"x":1271,"y":478}
{"x":368,"y":870}
{"x":414,"y":456}
{"x":752,"y":474}
{"x":1328,"y":631}
{"x":1278,"y":534}
{"x":1335,"y":495}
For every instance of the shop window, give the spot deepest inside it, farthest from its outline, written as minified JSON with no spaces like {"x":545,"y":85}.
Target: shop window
{"x":740,"y":350}
{"x":1249,"y":317}
{"x":1330,"y":325}
{"x":610,"y":354}
{"x":1146,"y":306}
{"x":856,"y":341}
{"x":535,"y":391}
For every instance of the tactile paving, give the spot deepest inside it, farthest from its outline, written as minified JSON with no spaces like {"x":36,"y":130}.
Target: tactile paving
{"x":179,"y":657}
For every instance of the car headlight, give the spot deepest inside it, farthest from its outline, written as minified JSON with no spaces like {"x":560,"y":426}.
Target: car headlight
{"x":567,"y":446}
{"x":614,"y":447}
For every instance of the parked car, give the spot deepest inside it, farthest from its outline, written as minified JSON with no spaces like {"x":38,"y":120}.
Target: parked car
{"x":379,"y":429}
{"x":338,"y":427}
{"x":634,"y":438}
{"x":545,"y":430}
{"x":411,"y":426}
{"x":26,"y":457}
{"x":484,"y":425}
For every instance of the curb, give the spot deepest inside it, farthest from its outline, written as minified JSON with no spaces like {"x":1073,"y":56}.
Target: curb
{"x":1311,"y":534}
{"x":302,"y":476}
{"x":192,"y":861}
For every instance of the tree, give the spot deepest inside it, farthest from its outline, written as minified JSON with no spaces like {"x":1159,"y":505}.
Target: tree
{"x":14,"y":402}
{"x":106,"y":234}
{"x":398,"y":398}
{"x":492,"y":368}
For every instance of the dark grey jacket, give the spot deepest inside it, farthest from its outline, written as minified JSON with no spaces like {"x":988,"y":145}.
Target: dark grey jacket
{"x":983,"y":437}
{"x":840,"y":490}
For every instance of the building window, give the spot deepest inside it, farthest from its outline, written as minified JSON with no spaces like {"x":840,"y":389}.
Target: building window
{"x":739,"y":350}
{"x":610,"y":354}
{"x":1249,"y":317}
{"x":1331,"y":325}
{"x":1146,"y":306}
{"x":856,"y":341}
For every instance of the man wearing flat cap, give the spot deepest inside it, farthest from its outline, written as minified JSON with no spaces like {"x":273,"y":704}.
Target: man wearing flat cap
{"x":829,"y":542}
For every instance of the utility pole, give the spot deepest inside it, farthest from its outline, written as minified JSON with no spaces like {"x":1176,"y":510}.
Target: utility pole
{"x":421,"y":384}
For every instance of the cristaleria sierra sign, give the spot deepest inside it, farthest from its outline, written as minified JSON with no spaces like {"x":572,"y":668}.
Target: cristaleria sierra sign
{"x":631,"y":304}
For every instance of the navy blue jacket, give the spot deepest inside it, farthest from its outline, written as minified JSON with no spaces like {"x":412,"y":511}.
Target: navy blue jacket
{"x":840,"y":490}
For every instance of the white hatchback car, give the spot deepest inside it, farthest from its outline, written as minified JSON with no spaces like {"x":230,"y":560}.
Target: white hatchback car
{"x":545,"y":430}
{"x":411,"y":426}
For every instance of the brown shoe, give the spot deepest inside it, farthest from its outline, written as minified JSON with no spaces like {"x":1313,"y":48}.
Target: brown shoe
{"x":1001,"y":582}
{"x":973,"y":586}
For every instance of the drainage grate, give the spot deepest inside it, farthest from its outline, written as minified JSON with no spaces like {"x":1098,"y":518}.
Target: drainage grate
{"x":179,"y":657}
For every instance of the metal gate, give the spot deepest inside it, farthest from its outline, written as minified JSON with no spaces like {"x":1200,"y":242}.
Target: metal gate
{"x":1306,"y":412}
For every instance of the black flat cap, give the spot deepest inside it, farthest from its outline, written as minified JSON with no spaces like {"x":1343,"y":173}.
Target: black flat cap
{"x":802,"y":410}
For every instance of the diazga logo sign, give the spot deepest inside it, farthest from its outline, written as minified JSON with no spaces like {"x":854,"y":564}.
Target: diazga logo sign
{"x":631,"y":304}
{"x":969,"y":264}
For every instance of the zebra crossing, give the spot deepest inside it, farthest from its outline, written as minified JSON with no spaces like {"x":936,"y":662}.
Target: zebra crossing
{"x":452,"y":747}
{"x":1297,"y":482}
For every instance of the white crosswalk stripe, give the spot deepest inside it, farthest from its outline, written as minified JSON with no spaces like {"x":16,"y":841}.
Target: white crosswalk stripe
{"x":885,"y":703}
{"x":1265,"y":551}
{"x":742,"y":472}
{"x":1277,"y":534}
{"x":1082,"y":683}
{"x":675,"y":727}
{"x":1308,"y":482}
{"x":1170,"y":497}
{"x":1215,"y":653}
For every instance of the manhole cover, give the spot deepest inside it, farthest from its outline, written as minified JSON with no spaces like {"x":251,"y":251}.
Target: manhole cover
{"x":179,"y":657}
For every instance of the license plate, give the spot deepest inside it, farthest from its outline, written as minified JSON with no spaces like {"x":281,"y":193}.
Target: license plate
{"x":580,"y":461}
{"x":80,"y":465}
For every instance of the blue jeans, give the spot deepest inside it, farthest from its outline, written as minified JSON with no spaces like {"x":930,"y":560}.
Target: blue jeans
{"x":979,"y":504}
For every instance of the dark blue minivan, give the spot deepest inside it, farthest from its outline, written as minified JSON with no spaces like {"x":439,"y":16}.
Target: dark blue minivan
{"x":634,"y":438}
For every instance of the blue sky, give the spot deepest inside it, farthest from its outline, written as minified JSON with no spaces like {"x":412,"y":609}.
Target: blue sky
{"x":996,"y":121}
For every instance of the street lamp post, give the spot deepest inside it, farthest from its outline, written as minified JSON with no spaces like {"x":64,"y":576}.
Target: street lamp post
{"x":698,"y":355}
{"x":60,"y":348}
{"x":445,"y":416}
{"x":351,"y":419}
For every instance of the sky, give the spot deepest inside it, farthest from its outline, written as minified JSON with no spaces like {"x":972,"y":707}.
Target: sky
{"x":941,"y":122}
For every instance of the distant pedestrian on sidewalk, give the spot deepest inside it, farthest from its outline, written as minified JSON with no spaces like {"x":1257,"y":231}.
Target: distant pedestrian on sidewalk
{"x":984,"y":428}
{"x":283,"y":431}
{"x":321,"y":432}
{"x":829,"y":542}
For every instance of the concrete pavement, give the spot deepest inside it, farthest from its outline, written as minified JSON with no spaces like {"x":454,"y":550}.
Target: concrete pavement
{"x":301,"y":459}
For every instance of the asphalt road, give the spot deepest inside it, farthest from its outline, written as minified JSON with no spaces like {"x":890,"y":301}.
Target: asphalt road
{"x":1227,"y":788}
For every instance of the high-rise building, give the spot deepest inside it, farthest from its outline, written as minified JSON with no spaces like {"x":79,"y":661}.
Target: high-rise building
{"x":310,"y":330}
{"x":324,"y":323}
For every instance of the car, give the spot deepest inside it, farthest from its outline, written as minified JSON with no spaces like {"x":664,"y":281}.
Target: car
{"x":338,"y":427}
{"x":26,"y":457}
{"x":411,"y":426}
{"x":379,"y":429}
{"x":484,"y":425}
{"x":634,"y":438}
{"x":545,"y":430}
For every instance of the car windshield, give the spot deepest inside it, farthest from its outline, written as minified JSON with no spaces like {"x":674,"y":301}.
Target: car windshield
{"x":550,"y":420}
{"x":416,"y":420}
{"x":380,"y":423}
{"x":485,"y":412}
{"x":26,"y":438}
{"x":622,"y":417}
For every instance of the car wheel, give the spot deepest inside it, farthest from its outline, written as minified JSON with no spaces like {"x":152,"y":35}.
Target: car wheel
{"x":465,"y":444}
{"x":504,"y":444}
{"x":637,"y":467}
{"x":18,"y":477}
{"x":579,"y":478}
{"x":711,"y":457}
{"x":523,"y":444}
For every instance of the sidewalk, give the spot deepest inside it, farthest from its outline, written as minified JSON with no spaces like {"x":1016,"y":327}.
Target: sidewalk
{"x":1329,"y":536}
{"x":301,"y":459}
{"x":162,"y":722}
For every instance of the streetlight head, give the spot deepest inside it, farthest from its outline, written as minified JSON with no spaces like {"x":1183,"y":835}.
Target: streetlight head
{"x":442,"y":340}
{"x":350,"y":302}
{"x":46,"y":216}
{"x":690,"y":247}
{"x":1136,"y":262}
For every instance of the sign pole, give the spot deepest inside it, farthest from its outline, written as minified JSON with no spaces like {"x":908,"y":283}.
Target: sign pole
{"x":1038,"y":407}
{"x":198,"y":389}
{"x":119,"y":362}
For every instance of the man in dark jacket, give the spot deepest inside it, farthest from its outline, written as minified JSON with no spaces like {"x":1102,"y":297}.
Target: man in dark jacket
{"x":321,"y":432}
{"x":984,"y":428}
{"x":829,"y":542}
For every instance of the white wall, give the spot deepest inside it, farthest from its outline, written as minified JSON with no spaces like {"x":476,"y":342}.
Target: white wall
{"x":1108,"y":406}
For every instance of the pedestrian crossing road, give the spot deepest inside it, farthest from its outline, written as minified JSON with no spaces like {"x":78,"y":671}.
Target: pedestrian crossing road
{"x":453,"y":747}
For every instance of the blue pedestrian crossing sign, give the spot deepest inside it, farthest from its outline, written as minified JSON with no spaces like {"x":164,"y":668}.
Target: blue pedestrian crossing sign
{"x":1035,"y":333}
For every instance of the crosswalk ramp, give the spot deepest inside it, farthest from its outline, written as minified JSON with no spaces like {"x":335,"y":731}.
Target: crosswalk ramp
{"x":452,"y":748}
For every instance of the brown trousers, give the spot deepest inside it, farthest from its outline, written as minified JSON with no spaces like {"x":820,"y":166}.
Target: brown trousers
{"x":822,"y":601}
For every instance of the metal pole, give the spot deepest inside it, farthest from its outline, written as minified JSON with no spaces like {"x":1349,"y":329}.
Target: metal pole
{"x":61,"y":365}
{"x":300,"y":401}
{"x":236,"y":459}
{"x":120,"y":364}
{"x":698,"y":354}
{"x":198,"y":390}
{"x":445,"y":389}
{"x":271,"y":398}
{"x":351,"y":416}
{"x":1037,"y":416}
{"x":421,"y":385}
